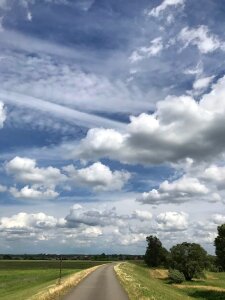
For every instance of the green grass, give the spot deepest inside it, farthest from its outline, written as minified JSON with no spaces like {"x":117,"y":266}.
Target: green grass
{"x":20,"y":280}
{"x":140,"y":283}
{"x":216,"y":280}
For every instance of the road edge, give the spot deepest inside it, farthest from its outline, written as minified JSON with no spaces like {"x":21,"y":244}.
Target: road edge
{"x":56,"y":291}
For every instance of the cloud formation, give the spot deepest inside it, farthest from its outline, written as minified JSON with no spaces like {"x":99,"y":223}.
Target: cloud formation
{"x":25,"y":170}
{"x":180,"y":128}
{"x":200,"y":37}
{"x":98,"y":176}
{"x":2,"y":114}
{"x":172,"y":221}
{"x":178,"y":191}
{"x":156,"y":46}
{"x":156,"y":11}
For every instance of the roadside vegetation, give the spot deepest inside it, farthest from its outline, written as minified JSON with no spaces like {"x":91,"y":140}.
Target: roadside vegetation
{"x":184,"y":272}
{"x":22,"y":279}
{"x":144,"y":283}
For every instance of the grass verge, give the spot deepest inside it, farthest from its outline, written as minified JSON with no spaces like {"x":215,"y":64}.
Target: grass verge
{"x":142,"y":283}
{"x":56,"y":291}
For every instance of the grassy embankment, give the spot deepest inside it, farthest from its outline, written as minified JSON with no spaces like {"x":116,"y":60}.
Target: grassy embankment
{"x":143,"y":283}
{"x":20,"y":280}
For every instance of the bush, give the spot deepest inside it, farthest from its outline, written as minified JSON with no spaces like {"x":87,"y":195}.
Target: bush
{"x":176,"y":276}
{"x":189,"y":258}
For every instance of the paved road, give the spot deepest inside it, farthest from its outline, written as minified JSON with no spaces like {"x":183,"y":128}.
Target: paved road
{"x":102,"y":284}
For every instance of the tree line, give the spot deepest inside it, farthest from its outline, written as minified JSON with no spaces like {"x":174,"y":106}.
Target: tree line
{"x":186,"y":260}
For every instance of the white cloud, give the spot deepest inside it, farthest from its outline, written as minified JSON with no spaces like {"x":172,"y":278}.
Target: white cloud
{"x":33,"y":193}
{"x":156,"y":11}
{"x":172,"y":221}
{"x":180,"y":128}
{"x":27,"y":221}
{"x":25,"y":170}
{"x":215,"y":174}
{"x":197,"y":70}
{"x":142,"y":215}
{"x":202,"y":83}
{"x":201,"y":38}
{"x":98,"y":176}
{"x":74,"y":94}
{"x":29,"y":16}
{"x":41,"y":182}
{"x":178,"y":191}
{"x":156,"y":46}
{"x":2,"y":114}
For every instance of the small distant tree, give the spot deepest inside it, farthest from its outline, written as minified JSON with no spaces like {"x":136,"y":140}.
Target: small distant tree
{"x":156,"y":254}
{"x":188,"y":258}
{"x":220,"y":246}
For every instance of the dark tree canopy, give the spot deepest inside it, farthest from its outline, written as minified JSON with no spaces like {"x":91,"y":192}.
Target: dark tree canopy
{"x":156,"y":254}
{"x":188,"y":258}
{"x":220,"y":247}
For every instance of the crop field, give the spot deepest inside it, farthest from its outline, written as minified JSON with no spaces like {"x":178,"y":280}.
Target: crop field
{"x":21,"y":279}
{"x":143,"y":283}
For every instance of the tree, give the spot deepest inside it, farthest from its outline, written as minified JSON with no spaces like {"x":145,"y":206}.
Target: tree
{"x":188,"y":258}
{"x":156,"y":254}
{"x":220,"y":247}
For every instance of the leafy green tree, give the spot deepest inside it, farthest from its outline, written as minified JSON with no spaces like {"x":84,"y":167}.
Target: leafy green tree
{"x":220,"y":247}
{"x":156,"y":254}
{"x":188,"y":258}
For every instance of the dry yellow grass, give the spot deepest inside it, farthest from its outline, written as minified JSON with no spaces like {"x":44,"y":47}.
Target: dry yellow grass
{"x":56,"y":291}
{"x":159,"y":273}
{"x":211,"y":277}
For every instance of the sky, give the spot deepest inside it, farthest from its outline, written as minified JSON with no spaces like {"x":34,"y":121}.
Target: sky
{"x":112,"y":124}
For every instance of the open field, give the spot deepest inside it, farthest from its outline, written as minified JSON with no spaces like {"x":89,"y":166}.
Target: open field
{"x":20,"y":280}
{"x":143,"y":283}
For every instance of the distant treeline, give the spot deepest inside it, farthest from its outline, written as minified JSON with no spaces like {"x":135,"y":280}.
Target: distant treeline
{"x":97,"y":257}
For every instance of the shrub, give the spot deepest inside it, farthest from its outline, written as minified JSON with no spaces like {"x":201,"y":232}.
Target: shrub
{"x":176,"y":276}
{"x":188,"y":258}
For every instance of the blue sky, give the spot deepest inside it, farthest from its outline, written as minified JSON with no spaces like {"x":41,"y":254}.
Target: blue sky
{"x":111,"y":124}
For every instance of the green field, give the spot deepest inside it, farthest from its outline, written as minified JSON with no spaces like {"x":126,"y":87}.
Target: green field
{"x":144,"y":283}
{"x":21,"y":279}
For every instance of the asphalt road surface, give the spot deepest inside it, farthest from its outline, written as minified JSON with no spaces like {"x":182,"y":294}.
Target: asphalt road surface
{"x":101,"y":284}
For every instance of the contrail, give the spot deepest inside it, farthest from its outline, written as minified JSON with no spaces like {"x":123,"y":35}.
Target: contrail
{"x":59,"y":111}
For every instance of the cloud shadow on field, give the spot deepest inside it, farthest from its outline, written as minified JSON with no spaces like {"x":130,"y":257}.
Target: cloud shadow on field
{"x":208,"y":295}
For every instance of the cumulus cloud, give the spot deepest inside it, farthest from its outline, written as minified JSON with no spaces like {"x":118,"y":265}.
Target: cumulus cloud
{"x":218,"y":219}
{"x":156,"y":46}
{"x":216,"y":175}
{"x":41,"y":182}
{"x":27,"y":221}
{"x":180,"y":128}
{"x":98,"y":176}
{"x":201,"y":38}
{"x":142,"y":215}
{"x":156,"y":11}
{"x":172,"y":221}
{"x":202,"y":83}
{"x":178,"y":191}
{"x":93,"y":217}
{"x":25,"y":170}
{"x":33,"y":193}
